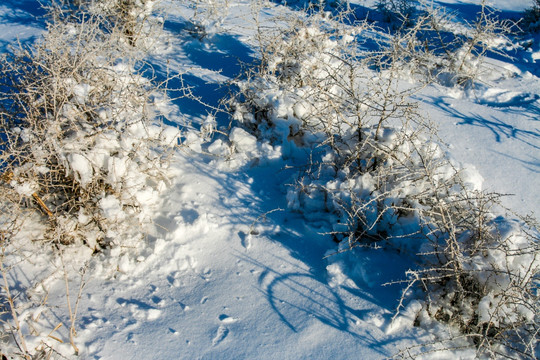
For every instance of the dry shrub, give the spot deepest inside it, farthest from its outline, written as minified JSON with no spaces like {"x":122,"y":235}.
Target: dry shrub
{"x":531,"y":18}
{"x":133,"y":19}
{"x":439,"y":48}
{"x":81,"y":142}
{"x":83,"y":159}
{"x":479,"y":271}
{"x":377,"y":173}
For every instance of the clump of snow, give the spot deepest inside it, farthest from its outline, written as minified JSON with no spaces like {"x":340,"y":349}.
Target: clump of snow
{"x":112,"y":208}
{"x":82,"y":167}
{"x":242,"y":140}
{"x":24,"y":189}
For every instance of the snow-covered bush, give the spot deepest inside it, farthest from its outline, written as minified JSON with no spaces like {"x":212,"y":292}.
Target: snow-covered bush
{"x":531,"y":18}
{"x":81,"y":141}
{"x":206,"y":16}
{"x":131,"y":18}
{"x":315,"y":90}
{"x":440,"y":49}
{"x":398,"y":13}
{"x":480,"y":273}
{"x":376,"y":173}
{"x":313,"y":76}
{"x":83,"y":158}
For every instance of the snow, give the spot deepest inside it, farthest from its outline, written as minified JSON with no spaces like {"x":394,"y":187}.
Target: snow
{"x":230,"y":268}
{"x":244,"y":141}
{"x":111,"y":207}
{"x":18,"y":22}
{"x":82,"y":167}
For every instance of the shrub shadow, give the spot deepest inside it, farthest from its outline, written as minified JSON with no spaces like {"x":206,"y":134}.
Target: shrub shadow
{"x":205,"y":63}
{"x":498,"y":127}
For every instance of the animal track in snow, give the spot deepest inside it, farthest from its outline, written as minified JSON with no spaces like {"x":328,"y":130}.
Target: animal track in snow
{"x":206,"y":274}
{"x":226,"y":319}
{"x":221,"y":334}
{"x":173,"y":279}
{"x":222,"y":330}
{"x":245,"y":239}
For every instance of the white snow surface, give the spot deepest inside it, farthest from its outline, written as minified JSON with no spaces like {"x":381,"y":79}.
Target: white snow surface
{"x":205,"y":288}
{"x":18,"y":22}
{"x":229,"y":272}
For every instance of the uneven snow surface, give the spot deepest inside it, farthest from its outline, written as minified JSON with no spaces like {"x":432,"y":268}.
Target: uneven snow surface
{"x":207,"y":288}
{"x":229,"y":272}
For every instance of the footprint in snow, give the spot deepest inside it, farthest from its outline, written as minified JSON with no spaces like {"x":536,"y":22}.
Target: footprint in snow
{"x":189,"y":215}
{"x":173,"y":279}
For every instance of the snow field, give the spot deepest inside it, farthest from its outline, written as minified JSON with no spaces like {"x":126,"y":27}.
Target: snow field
{"x":236,"y":263}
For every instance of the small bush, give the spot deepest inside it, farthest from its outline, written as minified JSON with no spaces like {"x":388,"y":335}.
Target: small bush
{"x":83,"y":158}
{"x":436,"y":49}
{"x":479,"y":273}
{"x":81,"y":142}
{"x":131,"y":18}
{"x":531,"y":18}
{"x":398,"y":13}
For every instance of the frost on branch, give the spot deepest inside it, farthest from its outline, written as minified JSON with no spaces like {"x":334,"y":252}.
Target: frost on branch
{"x":439,"y":48}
